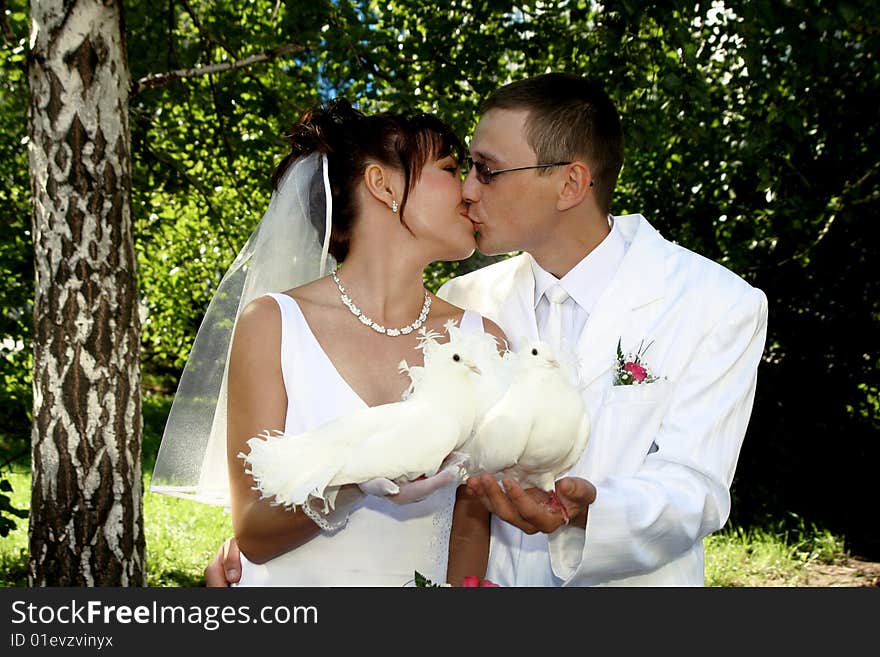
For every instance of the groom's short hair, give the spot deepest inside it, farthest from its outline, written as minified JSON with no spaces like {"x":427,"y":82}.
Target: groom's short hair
{"x":570,"y":117}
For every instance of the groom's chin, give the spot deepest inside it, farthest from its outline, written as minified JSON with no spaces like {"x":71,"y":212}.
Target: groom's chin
{"x":488,"y":248}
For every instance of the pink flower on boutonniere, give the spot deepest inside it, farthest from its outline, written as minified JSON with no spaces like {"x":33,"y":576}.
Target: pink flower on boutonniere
{"x":472,"y":581}
{"x":469,"y":582}
{"x":638,"y":372}
{"x":631,"y":370}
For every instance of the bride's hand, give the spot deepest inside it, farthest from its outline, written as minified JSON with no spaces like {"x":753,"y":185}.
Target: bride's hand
{"x":450,"y":472}
{"x":225,"y":568}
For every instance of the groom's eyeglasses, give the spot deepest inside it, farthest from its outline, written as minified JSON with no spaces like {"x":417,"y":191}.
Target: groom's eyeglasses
{"x":485,"y":174}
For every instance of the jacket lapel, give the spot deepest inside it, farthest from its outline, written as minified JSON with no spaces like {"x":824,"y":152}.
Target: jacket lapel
{"x":517,"y":303}
{"x":640,"y":280}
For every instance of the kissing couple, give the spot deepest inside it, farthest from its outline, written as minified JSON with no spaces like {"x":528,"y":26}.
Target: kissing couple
{"x":362,"y":205}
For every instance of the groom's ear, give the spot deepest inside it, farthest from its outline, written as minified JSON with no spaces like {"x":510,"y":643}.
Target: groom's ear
{"x":575,"y":185}
{"x":380,"y":182}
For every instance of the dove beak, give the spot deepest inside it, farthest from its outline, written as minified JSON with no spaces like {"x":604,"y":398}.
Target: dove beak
{"x":473,"y":368}
{"x":553,"y":362}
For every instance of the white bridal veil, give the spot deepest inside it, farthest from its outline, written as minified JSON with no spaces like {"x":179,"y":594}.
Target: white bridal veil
{"x":288,"y":248}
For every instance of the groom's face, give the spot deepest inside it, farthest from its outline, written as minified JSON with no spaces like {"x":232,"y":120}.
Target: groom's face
{"x":515,"y":210}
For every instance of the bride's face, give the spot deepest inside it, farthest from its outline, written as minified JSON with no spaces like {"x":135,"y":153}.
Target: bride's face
{"x":436,"y":214}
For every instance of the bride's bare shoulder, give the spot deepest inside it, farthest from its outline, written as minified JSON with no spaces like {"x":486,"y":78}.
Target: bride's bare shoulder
{"x":260,"y":319}
{"x":316,"y":294}
{"x":262,"y":316}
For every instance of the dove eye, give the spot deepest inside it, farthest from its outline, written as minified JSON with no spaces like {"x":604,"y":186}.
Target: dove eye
{"x":456,"y":357}
{"x":534,"y":352}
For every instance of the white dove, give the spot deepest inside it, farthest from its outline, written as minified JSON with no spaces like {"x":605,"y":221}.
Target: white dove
{"x":539,"y":427}
{"x":399,"y":441}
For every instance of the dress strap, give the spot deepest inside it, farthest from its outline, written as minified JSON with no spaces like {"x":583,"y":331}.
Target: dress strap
{"x":287,"y":306}
{"x":288,"y":309}
{"x":284,"y":301}
{"x":292,"y":319}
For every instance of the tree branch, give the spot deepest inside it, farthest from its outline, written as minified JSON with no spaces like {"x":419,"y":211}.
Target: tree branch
{"x":156,"y":79}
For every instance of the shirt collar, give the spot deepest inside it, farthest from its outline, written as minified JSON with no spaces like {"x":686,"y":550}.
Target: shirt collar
{"x":586,"y":281}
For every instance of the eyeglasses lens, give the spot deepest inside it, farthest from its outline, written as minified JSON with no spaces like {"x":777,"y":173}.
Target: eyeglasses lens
{"x":484,"y":173}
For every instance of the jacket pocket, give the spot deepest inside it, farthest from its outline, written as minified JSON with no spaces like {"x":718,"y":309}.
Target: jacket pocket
{"x":641,"y":393}
{"x":624,"y":428}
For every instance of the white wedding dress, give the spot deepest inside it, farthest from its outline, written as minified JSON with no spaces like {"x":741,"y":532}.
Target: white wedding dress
{"x":383,"y":543}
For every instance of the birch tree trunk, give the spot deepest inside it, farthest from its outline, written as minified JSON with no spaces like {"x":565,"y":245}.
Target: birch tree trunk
{"x":86,"y":522}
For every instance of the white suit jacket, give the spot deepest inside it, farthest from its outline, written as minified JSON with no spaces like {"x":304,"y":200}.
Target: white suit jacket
{"x":661,"y":455}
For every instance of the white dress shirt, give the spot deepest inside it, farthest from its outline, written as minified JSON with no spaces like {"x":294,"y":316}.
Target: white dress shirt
{"x":585,"y":283}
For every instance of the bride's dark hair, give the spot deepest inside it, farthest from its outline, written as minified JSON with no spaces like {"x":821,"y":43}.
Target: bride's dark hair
{"x":351,"y":140}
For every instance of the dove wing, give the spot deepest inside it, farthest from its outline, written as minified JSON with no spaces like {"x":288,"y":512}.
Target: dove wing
{"x":292,"y":467}
{"x":502,"y":435}
{"x":414,"y":444}
{"x":578,"y":446}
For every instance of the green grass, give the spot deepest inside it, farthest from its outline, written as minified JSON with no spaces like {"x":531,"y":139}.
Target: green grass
{"x":775,"y":555}
{"x":182,"y":536}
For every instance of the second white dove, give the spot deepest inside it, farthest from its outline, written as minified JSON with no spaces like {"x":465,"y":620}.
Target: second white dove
{"x":538,"y":429}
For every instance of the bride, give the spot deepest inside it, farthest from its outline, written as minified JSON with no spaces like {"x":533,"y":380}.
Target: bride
{"x":305,"y":356}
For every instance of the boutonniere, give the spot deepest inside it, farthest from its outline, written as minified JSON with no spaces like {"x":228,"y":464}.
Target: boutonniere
{"x":471,"y":581}
{"x":632,"y":370}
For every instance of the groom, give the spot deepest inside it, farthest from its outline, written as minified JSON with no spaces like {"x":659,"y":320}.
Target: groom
{"x":655,"y":477}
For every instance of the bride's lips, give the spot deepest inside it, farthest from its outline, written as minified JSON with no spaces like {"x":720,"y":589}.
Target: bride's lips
{"x":464,"y":213}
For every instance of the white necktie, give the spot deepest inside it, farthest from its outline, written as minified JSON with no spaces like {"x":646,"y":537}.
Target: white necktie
{"x":557,"y":296}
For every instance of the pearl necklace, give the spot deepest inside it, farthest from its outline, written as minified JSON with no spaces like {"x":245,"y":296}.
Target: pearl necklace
{"x":393,"y":332}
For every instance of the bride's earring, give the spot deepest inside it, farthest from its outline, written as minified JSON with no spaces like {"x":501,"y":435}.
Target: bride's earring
{"x":395,"y":206}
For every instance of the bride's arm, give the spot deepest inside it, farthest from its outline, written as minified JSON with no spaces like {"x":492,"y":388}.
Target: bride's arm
{"x":257,"y":402}
{"x":471,"y":521}
{"x":468,"y":540}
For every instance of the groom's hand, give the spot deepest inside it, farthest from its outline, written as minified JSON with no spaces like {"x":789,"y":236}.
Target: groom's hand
{"x":576,"y":495}
{"x":527,"y":508}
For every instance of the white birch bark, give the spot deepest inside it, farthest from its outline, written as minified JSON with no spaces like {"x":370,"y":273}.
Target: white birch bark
{"x":86,"y":524}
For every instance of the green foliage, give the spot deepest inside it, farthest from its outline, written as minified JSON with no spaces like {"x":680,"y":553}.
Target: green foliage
{"x":16,"y":264}
{"x":13,"y":547}
{"x":423,"y":582}
{"x":7,"y":509}
{"x":751,"y":138}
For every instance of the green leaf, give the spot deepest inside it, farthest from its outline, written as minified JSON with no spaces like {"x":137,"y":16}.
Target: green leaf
{"x":424,"y":582}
